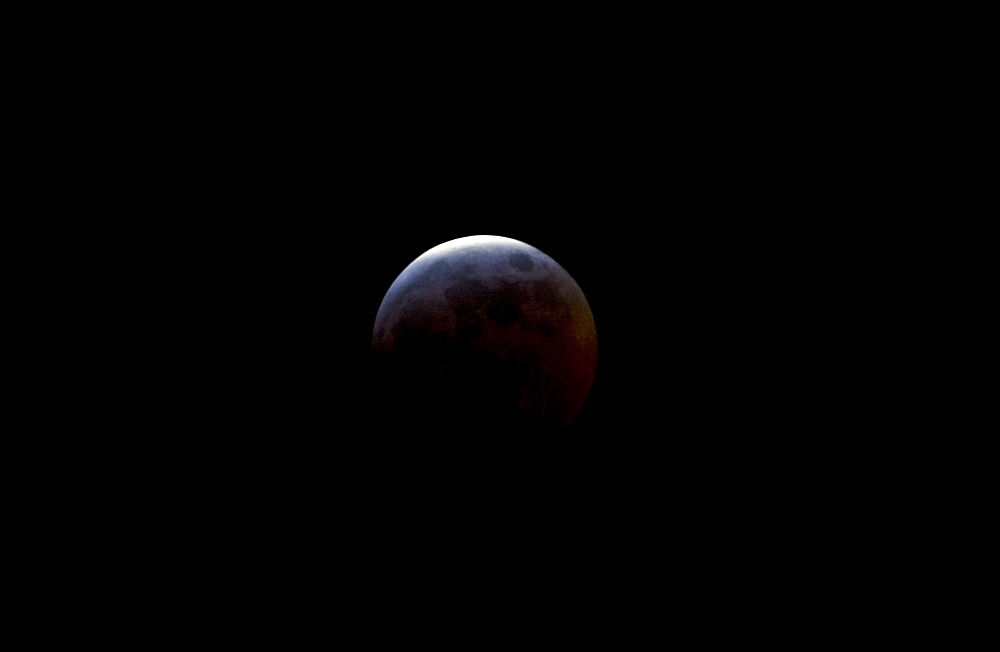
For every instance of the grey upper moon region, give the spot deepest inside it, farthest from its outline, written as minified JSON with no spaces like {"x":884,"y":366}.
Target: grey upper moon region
{"x":484,"y":332}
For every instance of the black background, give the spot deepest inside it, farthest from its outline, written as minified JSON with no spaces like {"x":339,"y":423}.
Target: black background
{"x":281,"y":183}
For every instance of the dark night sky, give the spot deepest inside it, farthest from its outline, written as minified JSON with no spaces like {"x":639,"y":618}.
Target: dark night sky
{"x":672,"y":177}
{"x":698,"y":344}
{"x":675,"y":181}
{"x":682,"y":225}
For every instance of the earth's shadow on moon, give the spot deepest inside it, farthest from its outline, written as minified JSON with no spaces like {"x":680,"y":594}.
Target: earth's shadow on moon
{"x":483,"y":348}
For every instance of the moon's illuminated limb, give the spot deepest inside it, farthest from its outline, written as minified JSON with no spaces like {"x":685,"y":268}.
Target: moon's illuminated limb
{"x":469,"y":241}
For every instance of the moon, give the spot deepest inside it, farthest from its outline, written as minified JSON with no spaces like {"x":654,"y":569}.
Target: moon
{"x":484,"y":332}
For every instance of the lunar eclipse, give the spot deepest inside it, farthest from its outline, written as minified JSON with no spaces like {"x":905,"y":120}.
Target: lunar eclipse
{"x":484,"y":332}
